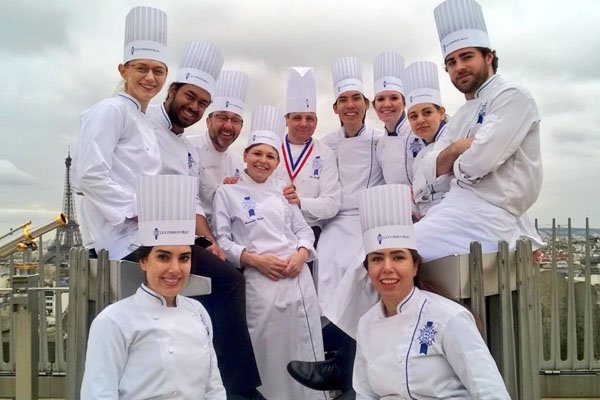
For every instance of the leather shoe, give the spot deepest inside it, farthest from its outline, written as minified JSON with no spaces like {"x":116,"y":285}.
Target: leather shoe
{"x":317,"y":375}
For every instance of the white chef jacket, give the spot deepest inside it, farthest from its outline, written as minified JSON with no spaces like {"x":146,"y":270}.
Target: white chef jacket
{"x":116,"y":144}
{"x":317,"y":180}
{"x":396,"y":153}
{"x":341,"y":244}
{"x":431,"y":349}
{"x":213,"y":167}
{"x":428,"y":193}
{"x":358,"y":165}
{"x":495,"y":180}
{"x":283,"y":316}
{"x":503,"y":165}
{"x":139,"y":348}
{"x":179,"y":156}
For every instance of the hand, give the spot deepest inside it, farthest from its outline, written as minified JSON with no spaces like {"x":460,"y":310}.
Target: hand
{"x":270,"y":266}
{"x":217,"y":251}
{"x":295,"y":263}
{"x":230,"y":180}
{"x":291,"y":195}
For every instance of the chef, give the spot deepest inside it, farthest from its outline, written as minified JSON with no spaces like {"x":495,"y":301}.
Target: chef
{"x":413,"y":343}
{"x":188,"y":97}
{"x":340,"y":244}
{"x":117,"y":143}
{"x":427,"y":118}
{"x":308,"y":166}
{"x":261,"y":232}
{"x":492,"y":146}
{"x":156,"y":343}
{"x":398,"y":148}
{"x":224,"y":124}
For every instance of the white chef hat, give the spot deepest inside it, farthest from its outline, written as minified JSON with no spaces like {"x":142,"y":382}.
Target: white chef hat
{"x":386,"y":218}
{"x":267,"y":127}
{"x":460,"y":24}
{"x":346,"y":76}
{"x":301,"y":90}
{"x":166,"y":209}
{"x":422,"y":84}
{"x":200,"y":65}
{"x":230,"y":94}
{"x":145,"y":35}
{"x":388,"y":72}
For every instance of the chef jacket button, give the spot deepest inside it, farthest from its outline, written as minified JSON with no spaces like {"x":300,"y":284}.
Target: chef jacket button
{"x":155,"y":318}
{"x":173,"y":394}
{"x":171,"y":351}
{"x":203,"y":187}
{"x":425,"y":197}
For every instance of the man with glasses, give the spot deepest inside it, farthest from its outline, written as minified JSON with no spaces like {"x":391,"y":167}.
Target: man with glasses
{"x":224,"y":124}
{"x":184,"y":106}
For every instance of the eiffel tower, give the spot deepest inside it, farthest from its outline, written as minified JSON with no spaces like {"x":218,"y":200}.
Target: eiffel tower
{"x":68,"y":235}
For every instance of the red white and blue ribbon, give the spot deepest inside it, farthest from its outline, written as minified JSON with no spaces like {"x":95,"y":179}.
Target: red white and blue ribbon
{"x":292,"y":166}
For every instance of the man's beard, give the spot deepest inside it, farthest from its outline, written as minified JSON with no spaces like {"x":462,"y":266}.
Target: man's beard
{"x":173,"y":113}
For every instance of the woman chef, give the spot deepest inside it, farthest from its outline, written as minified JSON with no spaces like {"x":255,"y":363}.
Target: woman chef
{"x":398,"y":148}
{"x":427,"y":119}
{"x":261,"y":232}
{"x":156,"y":343}
{"x":117,"y":143}
{"x":413,"y":343}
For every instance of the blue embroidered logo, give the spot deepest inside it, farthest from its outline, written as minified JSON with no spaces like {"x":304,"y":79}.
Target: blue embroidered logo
{"x":249,"y":205}
{"x":411,"y":99}
{"x":426,"y":337}
{"x":379,"y":238}
{"x":237,"y":173}
{"x":316,"y":166}
{"x":190,"y":161}
{"x":187,"y":76}
{"x":415,"y":147}
{"x":226,"y":103}
{"x":307,"y":103}
{"x":481,"y":113}
{"x":132,"y":50}
{"x":384,"y":83}
{"x":156,"y":233}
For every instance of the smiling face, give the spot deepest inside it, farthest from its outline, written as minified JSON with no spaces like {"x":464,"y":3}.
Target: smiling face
{"x":143,"y":79}
{"x":351,"y":107}
{"x":224,"y":127}
{"x":425,"y":120}
{"x":261,"y":160}
{"x":469,"y":69}
{"x":186,"y":105}
{"x":167,"y":270}
{"x":301,"y":126}
{"x":392,"y":273}
{"x":389,"y":106}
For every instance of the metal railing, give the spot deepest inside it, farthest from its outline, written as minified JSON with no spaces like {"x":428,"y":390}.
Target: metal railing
{"x":541,"y":349}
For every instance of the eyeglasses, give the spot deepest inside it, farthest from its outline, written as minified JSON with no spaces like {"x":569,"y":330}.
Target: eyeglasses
{"x":224,"y":118}
{"x":144,"y":69}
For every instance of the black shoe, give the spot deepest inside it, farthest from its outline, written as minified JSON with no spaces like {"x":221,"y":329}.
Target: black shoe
{"x":317,"y":375}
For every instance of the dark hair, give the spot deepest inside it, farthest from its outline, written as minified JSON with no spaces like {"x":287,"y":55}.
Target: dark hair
{"x":418,"y":280}
{"x":175,"y":85}
{"x":485,"y":51}
{"x":141,"y":253}
{"x":247,"y":149}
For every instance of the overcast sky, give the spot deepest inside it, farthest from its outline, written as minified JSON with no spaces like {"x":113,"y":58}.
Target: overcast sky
{"x":59,"y":57}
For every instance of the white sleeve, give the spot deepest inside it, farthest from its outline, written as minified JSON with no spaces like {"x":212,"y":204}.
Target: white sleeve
{"x":305,"y":235}
{"x":509,"y":119}
{"x":470,"y":358}
{"x":329,"y":200}
{"x":214,"y":387}
{"x":222,"y":228}
{"x":360,"y":383}
{"x":105,"y":360}
{"x":101,"y":129}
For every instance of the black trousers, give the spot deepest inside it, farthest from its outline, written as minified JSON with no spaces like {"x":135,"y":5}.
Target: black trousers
{"x":226,"y":306}
{"x":336,"y":340}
